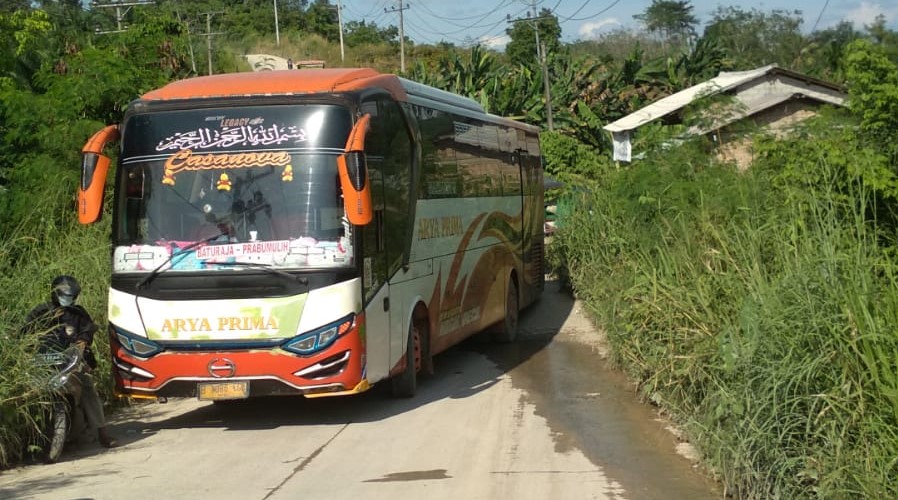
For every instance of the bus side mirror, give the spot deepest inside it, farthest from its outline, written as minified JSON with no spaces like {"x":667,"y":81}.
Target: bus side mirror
{"x":94,"y":166}
{"x":354,"y":180}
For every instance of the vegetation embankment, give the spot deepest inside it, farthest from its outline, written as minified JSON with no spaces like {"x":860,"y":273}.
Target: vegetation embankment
{"x":755,"y":307}
{"x":759,"y":307}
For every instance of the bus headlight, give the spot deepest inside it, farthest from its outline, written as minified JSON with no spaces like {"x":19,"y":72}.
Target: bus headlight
{"x":319,"y":339}
{"x":138,"y":346}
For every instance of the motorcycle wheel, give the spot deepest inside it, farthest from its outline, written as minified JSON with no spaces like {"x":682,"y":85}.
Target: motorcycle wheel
{"x":57,"y":431}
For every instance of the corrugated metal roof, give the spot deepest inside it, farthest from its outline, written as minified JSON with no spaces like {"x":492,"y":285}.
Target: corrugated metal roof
{"x":724,"y":81}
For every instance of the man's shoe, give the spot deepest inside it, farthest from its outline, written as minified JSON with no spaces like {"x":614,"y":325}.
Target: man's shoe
{"x":106,"y":441}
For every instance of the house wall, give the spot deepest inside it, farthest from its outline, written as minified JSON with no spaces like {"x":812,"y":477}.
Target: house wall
{"x":759,"y":93}
{"x":735,"y":146}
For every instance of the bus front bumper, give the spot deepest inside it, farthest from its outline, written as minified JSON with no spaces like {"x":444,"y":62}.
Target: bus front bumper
{"x":236,"y":374}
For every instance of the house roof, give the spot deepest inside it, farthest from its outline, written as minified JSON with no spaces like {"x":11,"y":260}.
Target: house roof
{"x":728,"y":80}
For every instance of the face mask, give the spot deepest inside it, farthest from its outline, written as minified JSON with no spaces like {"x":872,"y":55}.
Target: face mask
{"x":65,"y":300}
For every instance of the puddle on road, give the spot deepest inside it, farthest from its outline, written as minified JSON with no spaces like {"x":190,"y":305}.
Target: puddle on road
{"x":416,"y":475}
{"x":591,"y":407}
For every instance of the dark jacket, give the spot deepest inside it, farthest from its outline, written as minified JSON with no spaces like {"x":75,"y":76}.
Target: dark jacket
{"x":60,"y":327}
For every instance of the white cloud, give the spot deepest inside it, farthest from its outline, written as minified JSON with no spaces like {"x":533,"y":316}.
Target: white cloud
{"x":594,"y":28}
{"x":495,"y":42}
{"x":866,"y":13}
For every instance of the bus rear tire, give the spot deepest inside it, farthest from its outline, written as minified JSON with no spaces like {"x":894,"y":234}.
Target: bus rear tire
{"x":405,"y":384}
{"x":507,"y":330}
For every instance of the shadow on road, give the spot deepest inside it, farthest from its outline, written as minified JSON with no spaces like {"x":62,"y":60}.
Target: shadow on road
{"x":462,"y":371}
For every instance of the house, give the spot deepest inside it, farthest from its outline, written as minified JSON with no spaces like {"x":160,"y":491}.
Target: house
{"x":770,"y":97}
{"x":268,"y":62}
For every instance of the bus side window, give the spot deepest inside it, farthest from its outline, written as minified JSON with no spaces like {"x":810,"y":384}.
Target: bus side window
{"x":390,"y":151}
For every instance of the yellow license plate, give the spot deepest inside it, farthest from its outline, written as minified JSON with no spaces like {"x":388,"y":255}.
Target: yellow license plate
{"x":223,"y":390}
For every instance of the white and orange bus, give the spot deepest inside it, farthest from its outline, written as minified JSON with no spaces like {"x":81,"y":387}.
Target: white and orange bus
{"x":310,"y":232}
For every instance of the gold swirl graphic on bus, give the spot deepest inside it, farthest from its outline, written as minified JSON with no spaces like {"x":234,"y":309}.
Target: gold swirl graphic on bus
{"x":185,"y":159}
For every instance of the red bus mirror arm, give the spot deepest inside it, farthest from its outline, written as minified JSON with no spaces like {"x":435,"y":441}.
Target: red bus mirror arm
{"x":354,"y":175}
{"x":94,"y":166}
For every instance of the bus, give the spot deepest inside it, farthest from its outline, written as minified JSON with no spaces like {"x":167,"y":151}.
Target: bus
{"x":310,"y":232}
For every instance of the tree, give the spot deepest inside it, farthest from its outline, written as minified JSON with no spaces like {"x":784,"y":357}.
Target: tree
{"x":675,"y":72}
{"x":14,"y":5}
{"x":755,"y":38}
{"x":321,"y":19}
{"x":824,"y":55}
{"x":360,"y":33}
{"x":522,"y":47}
{"x":884,"y":37}
{"x":873,"y":86}
{"x":616,"y":45}
{"x":672,"y":19}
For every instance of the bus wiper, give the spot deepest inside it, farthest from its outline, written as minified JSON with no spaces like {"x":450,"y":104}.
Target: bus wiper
{"x":183,"y":251}
{"x":265,"y":267}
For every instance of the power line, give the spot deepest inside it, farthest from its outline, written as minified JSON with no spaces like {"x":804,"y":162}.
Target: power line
{"x":374,"y":9}
{"x":501,"y":5}
{"x":463,"y":28}
{"x":119,"y":13}
{"x":450,"y":36}
{"x":365,"y":19}
{"x":422,"y":22}
{"x":419,"y":35}
{"x":825,"y":5}
{"x":599,"y":13}
{"x":486,"y":41}
{"x":477,"y":40}
{"x":578,"y":10}
{"x":491,"y":28}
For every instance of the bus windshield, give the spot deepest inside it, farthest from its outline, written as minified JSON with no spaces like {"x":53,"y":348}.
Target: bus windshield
{"x":205,"y":189}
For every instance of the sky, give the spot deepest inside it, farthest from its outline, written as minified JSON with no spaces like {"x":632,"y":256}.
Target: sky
{"x":463,"y":21}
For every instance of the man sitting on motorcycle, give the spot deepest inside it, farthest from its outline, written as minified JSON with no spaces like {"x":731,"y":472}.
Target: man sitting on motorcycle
{"x":63,"y":323}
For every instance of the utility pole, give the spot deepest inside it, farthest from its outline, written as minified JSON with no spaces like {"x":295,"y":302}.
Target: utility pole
{"x":340,"y":23}
{"x":339,"y":9}
{"x":540,"y":57}
{"x":277,"y":32}
{"x":209,"y":34}
{"x":547,"y":88}
{"x":189,"y":41}
{"x":535,"y":25}
{"x":401,"y":33}
{"x":119,"y":13}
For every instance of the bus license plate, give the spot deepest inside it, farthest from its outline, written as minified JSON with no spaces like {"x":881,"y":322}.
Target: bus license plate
{"x":223,"y":390}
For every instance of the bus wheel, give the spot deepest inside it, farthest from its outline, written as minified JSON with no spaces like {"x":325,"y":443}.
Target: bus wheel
{"x":406,"y":383}
{"x":426,"y":366}
{"x":507,"y":329}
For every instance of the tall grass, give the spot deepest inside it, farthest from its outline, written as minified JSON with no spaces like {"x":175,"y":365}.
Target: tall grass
{"x":47,"y":242}
{"x":762,"y":319}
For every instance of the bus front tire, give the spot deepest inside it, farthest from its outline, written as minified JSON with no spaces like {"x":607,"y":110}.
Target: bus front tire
{"x":405,"y":384}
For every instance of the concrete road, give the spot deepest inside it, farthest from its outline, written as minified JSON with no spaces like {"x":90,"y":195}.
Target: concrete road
{"x":542,"y":418}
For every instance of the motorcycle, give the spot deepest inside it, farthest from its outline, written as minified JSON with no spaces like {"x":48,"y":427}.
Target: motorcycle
{"x":64,"y":387}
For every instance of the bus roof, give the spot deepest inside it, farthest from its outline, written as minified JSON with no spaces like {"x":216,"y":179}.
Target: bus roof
{"x":283,"y":82}
{"x":313,"y":81}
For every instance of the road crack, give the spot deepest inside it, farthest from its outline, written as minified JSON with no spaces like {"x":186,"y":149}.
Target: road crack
{"x":302,"y":465}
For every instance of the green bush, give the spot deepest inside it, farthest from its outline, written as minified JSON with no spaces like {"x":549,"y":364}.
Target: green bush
{"x":756,"y":307}
{"x":24,"y":283}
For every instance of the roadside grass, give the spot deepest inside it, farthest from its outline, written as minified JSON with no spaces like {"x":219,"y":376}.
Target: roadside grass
{"x":760,"y":316}
{"x":46,"y":243}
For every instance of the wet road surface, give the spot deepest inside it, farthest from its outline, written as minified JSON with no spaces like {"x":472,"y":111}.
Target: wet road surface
{"x":559,"y":361}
